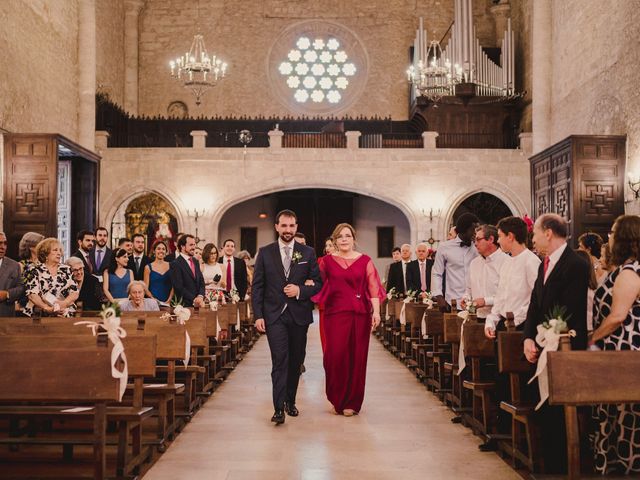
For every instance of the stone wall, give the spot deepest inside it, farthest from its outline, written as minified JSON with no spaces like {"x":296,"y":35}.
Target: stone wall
{"x":39,"y":66}
{"x":243,"y":34}
{"x":110,"y":49}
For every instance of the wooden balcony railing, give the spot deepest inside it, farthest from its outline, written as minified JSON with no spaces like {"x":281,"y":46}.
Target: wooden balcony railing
{"x":314,"y":140}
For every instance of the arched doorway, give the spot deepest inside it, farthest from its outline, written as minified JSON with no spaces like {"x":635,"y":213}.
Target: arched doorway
{"x":149,"y":214}
{"x":487,"y":207}
{"x":380,"y":225}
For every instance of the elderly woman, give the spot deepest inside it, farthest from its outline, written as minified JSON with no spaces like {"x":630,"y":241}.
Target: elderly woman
{"x":136,"y":301}
{"x":90,"y":290}
{"x":27,"y":258}
{"x":50,"y":286}
{"x":616,"y":317}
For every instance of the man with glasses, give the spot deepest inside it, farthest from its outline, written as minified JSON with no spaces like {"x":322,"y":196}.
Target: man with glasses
{"x":90,"y":289}
{"x":11,"y":286}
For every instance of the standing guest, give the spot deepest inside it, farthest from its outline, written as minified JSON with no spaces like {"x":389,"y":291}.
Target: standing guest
{"x":398,"y":271}
{"x":11,"y":285}
{"x":484,"y":270}
{"x":198,"y":255}
{"x":85,"y":239}
{"x":235,"y":270}
{"x":89,"y":288}
{"x":172,"y":256}
{"x":592,"y":244}
{"x":50,"y":287}
{"x":617,"y":322}
{"x":452,"y":233}
{"x":156,"y":274}
{"x":212,"y":270}
{"x":452,"y":260}
{"x":300,"y":238}
{"x":117,"y":277}
{"x":605,"y":259}
{"x":517,"y":277}
{"x":100,"y":256}
{"x":138,"y":260}
{"x":245,"y":256}
{"x":136,"y":301}
{"x":127,"y":244}
{"x":419,"y":271}
{"x":593,"y":285}
{"x":395,"y":257}
{"x":186,"y":277}
{"x":351,"y":295}
{"x":329,"y":249}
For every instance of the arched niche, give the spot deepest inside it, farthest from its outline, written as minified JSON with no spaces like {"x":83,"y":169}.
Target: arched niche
{"x":487,"y":207}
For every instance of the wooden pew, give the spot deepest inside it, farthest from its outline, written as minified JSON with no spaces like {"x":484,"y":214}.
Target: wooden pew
{"x":590,"y":378}
{"x":412,"y":334}
{"x":437,"y":354}
{"x":456,"y":397}
{"x":63,"y":375}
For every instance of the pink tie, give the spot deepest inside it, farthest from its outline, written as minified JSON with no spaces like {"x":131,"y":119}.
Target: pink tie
{"x":423,"y":279}
{"x":193,"y":267}
{"x":229,"y":279}
{"x":545,"y":267}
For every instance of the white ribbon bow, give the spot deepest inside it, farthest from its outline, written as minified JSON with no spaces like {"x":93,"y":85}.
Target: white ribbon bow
{"x":462,"y":362}
{"x":182,"y":316}
{"x":549,"y":340}
{"x":111,"y":323}
{"x":403,"y":316}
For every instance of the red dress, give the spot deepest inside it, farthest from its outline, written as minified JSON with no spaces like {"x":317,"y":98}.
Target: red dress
{"x":348,"y":286}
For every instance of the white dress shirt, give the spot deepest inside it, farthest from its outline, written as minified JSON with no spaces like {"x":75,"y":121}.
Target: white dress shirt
{"x":404,"y":273}
{"x":283,"y":253}
{"x":453,"y":260}
{"x":517,"y":278}
{"x":553,"y":259}
{"x":484,"y":276}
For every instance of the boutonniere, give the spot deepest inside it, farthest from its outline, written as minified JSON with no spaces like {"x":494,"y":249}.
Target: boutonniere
{"x":296,"y":257}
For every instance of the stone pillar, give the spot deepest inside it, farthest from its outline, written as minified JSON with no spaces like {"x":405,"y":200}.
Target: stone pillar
{"x":131,"y":23}
{"x":199,"y":138}
{"x":102,"y":141}
{"x":501,"y":13}
{"x":87,"y":73}
{"x":526,"y":147}
{"x":542,"y":52}
{"x":429,"y":140}
{"x":352,"y":140}
{"x":275,"y":139}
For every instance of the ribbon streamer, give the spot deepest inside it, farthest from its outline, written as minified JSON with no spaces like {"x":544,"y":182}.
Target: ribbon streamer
{"x":462,"y":362}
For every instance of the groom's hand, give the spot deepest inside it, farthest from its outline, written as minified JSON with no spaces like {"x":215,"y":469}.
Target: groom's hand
{"x":260,"y":325}
{"x":292,"y":291}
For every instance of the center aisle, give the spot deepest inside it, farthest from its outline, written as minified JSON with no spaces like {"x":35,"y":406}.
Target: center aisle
{"x":403,"y":432}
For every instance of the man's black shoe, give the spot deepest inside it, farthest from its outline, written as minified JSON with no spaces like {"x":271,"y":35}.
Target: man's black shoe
{"x":291,"y":410}
{"x":488,"y":446}
{"x":278,"y":417}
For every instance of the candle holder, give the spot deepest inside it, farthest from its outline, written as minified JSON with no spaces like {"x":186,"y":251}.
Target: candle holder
{"x":634,"y":184}
{"x":196,"y":214}
{"x":432,"y":213}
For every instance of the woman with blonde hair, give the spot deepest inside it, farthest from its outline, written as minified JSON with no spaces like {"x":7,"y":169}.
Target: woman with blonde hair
{"x":351,"y":295}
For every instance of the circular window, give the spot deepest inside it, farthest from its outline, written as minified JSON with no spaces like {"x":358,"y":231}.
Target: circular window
{"x":317,"y":67}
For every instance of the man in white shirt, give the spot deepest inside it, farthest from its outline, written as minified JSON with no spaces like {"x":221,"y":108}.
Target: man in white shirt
{"x":484,"y":270}
{"x":517,"y":276}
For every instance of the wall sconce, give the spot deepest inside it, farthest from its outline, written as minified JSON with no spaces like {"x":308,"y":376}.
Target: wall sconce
{"x":634,"y":184}
{"x":431,"y":214}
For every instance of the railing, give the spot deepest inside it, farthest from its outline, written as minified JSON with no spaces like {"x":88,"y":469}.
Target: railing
{"x":391,"y":140}
{"x":170,"y":140}
{"x":232,"y":140}
{"x":314,"y":140}
{"x":476,"y":140}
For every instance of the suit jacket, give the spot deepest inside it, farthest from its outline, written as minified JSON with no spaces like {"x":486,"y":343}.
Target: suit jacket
{"x":91,"y":294}
{"x":185,"y":285}
{"x":88,"y":268}
{"x":104,"y":265}
{"x":413,"y":275}
{"x":395,"y":279}
{"x":11,"y":281}
{"x":240,"y":278}
{"x":268,"y":298}
{"x":138,"y":273}
{"x":566,"y":286}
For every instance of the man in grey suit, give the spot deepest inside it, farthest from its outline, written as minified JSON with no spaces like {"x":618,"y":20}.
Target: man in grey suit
{"x":11,"y":287}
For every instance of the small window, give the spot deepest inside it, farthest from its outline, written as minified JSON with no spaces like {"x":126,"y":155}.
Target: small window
{"x":249,"y":240}
{"x":385,"y":241}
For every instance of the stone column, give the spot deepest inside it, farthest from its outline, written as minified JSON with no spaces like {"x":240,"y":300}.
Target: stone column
{"x":429,"y":140}
{"x":352,"y":140}
{"x":102,"y":141}
{"x":275,"y":139}
{"x":541,"y":50}
{"x":525,"y":143}
{"x":199,"y":138}
{"x":131,"y":31}
{"x":501,"y":13}
{"x":87,"y":74}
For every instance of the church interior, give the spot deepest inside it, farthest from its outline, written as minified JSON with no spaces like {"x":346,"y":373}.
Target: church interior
{"x":152,"y":119}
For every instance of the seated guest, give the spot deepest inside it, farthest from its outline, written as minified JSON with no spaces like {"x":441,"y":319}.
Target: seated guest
{"x":11,"y":286}
{"x":484,"y":270}
{"x":89,"y":287}
{"x":617,"y":322}
{"x":397,"y":278}
{"x":85,"y":241}
{"x":186,"y":277}
{"x":117,"y":277}
{"x":593,"y":285}
{"x":592,"y":244}
{"x":138,"y":260}
{"x":50,"y":286}
{"x":136,"y":301}
{"x":517,"y":277}
{"x":212,"y":270}
{"x":156,"y":274}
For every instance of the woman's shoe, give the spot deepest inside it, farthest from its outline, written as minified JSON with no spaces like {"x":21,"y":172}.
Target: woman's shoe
{"x":347,"y":412}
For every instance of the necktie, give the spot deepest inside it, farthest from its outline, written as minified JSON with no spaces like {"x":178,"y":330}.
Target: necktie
{"x":287,"y":261}
{"x":99,"y":259}
{"x":423,"y":277}
{"x":192,"y":265}
{"x":229,"y":279}
{"x":545,"y":266}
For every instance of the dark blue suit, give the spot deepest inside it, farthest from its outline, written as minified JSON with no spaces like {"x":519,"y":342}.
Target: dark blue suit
{"x":185,"y":285}
{"x":287,"y":319}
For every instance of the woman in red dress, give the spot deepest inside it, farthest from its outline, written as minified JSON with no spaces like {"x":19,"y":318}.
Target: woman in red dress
{"x":351,"y":295}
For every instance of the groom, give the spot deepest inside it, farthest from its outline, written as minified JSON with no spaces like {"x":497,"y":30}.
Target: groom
{"x":283,"y":309}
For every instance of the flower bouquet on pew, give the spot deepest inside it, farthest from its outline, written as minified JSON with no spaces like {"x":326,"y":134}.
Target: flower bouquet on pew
{"x":427,"y":299}
{"x":470,"y":308}
{"x":215,"y":298}
{"x":233,"y":296}
{"x":180,"y":313}
{"x":391,"y":294}
{"x":410,"y":296}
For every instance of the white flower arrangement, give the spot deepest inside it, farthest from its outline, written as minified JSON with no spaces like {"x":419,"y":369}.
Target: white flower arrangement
{"x":427,"y":300}
{"x":296,"y":257}
{"x":410,"y":296}
{"x":235,"y":296}
{"x":391,"y":294}
{"x":470,"y":308}
{"x":180,"y":313}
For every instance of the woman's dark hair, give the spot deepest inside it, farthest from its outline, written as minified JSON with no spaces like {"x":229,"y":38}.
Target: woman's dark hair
{"x":514,"y":225}
{"x":121,"y":252}
{"x":626,"y":239}
{"x":592,"y":242}
{"x":159,"y":242}
{"x":208,"y":251}
{"x":593,"y":281}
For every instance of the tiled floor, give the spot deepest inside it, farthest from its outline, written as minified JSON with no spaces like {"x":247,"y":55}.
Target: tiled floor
{"x":402,"y":433}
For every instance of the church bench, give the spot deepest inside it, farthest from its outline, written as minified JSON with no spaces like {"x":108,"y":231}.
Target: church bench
{"x":590,"y":378}
{"x":395,"y":343}
{"x":437,"y":354}
{"x":412,"y":335}
{"x":425,"y":349}
{"x":64,"y":375}
{"x":455,"y":397}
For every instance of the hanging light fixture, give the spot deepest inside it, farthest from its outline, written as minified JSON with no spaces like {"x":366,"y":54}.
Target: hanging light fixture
{"x":433,"y":76}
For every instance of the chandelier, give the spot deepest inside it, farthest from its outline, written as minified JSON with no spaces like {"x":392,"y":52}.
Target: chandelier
{"x":196,"y":70}
{"x":434,"y":76}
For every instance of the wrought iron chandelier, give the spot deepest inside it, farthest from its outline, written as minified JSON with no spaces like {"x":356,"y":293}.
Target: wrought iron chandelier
{"x":434,"y":77}
{"x":196,"y":70}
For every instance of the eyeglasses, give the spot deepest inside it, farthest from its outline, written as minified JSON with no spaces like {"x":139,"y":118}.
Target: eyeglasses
{"x":477,"y":239}
{"x":77,"y":270}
